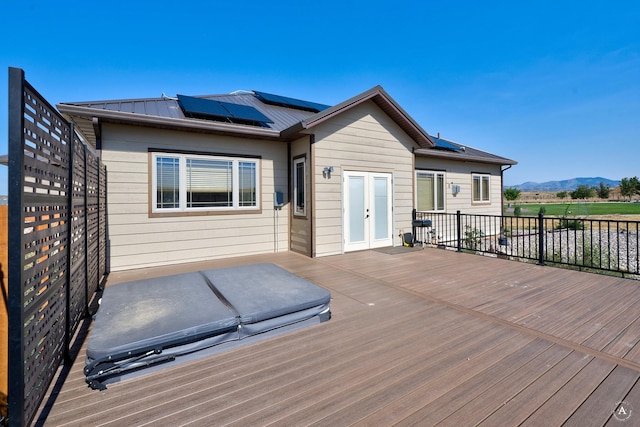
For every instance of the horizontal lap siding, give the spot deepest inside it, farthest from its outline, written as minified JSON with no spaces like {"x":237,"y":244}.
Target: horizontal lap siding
{"x":136,"y":240}
{"x":459,"y":173}
{"x":365,"y":139}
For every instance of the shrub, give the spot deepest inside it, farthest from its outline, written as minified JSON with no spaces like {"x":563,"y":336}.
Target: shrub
{"x":472,"y":238}
{"x":571,"y":224}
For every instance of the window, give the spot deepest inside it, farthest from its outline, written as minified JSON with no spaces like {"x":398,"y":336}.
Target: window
{"x":299,"y":192}
{"x":429,"y":191}
{"x":480,"y":188}
{"x":193,"y":183}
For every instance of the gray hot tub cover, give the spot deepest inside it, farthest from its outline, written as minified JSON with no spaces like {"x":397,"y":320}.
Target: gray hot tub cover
{"x":146,"y":322}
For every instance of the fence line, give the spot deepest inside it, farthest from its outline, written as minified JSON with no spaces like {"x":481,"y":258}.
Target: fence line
{"x":4,"y":323}
{"x":57,"y":236}
{"x":586,"y":244}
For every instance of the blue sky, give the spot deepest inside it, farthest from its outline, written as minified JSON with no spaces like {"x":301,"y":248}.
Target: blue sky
{"x":554,"y":85}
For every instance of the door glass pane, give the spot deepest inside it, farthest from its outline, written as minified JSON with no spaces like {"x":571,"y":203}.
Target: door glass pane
{"x":381,"y":202}
{"x":356,"y":209}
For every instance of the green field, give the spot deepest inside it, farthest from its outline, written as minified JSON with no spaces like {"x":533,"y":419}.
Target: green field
{"x":577,"y":209}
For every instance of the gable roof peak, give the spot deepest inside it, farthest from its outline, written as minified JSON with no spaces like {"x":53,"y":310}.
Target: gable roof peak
{"x":382,"y":99}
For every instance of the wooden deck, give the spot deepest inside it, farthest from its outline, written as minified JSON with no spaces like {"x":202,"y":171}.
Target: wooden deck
{"x":419,"y":338}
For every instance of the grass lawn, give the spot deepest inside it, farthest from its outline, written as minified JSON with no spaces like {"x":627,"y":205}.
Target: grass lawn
{"x":577,"y":209}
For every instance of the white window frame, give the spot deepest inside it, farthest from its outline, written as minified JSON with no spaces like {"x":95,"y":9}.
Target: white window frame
{"x":182,"y":158}
{"x":477,"y":179}
{"x":297,"y":211}
{"x":437,"y":192}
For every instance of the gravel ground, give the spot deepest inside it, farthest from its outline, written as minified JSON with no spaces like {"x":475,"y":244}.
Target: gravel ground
{"x":605,"y":249}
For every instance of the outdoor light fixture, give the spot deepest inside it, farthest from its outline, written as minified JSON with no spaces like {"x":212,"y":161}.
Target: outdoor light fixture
{"x":327,"y":171}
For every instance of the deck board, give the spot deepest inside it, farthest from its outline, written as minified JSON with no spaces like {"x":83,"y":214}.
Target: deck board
{"x":520,"y":406}
{"x":416,"y":338}
{"x":597,"y":409}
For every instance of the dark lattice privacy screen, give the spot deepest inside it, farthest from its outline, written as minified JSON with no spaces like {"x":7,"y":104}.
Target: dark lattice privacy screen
{"x":57,"y":241}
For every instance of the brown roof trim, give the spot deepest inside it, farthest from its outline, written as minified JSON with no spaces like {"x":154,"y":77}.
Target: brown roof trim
{"x":465,"y":157}
{"x":382,"y":99}
{"x":167,"y":122}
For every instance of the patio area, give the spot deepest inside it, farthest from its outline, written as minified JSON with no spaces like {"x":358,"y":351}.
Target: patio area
{"x":417,"y":338}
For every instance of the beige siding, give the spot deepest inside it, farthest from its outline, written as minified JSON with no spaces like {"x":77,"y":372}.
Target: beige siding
{"x":136,"y":240}
{"x":301,"y":234}
{"x":459,"y":173}
{"x":364,"y":139}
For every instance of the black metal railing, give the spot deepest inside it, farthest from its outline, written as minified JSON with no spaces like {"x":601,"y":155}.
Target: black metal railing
{"x":582,"y":243}
{"x":57,"y":242}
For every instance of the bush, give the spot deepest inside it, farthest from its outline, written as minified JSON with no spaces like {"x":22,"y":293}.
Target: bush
{"x":517,"y":211}
{"x":571,"y":224}
{"x":473,"y":238}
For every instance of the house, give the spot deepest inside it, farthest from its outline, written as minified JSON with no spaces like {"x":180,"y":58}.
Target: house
{"x":197,"y":178}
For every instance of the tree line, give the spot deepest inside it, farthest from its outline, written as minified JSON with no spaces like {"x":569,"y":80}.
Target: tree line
{"x":629,"y":187}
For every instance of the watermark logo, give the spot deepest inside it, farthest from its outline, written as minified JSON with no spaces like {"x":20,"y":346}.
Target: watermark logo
{"x":623,"y":411}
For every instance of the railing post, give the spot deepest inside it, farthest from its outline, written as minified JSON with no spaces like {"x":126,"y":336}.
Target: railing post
{"x":15,"y":306}
{"x":541,"y":238}
{"x":86,"y":230}
{"x":69,"y":230}
{"x":413,"y":224}
{"x":459,"y":230}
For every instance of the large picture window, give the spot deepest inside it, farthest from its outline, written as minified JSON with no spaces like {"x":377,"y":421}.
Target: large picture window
{"x":299,"y":186}
{"x":481,"y":187}
{"x":429,"y":191}
{"x":193,"y":183}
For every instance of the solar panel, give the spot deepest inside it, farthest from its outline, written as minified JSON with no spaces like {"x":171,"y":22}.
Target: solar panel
{"x":245,"y":112}
{"x":211,"y":108}
{"x":191,"y":105}
{"x":446,"y":145}
{"x":285,"y":101}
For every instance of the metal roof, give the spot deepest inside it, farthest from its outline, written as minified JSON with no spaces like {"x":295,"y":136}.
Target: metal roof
{"x":446,"y":149}
{"x":288,"y":123}
{"x":165,"y":112}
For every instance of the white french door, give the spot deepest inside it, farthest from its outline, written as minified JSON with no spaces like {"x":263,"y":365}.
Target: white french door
{"x":367,"y":210}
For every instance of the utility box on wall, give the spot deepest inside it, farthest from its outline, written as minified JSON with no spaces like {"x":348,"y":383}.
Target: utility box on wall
{"x":278,"y":199}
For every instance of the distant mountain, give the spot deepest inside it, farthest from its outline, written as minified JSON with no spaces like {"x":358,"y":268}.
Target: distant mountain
{"x":565,"y":185}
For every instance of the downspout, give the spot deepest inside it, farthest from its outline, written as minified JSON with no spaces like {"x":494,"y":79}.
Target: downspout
{"x":502,"y":171}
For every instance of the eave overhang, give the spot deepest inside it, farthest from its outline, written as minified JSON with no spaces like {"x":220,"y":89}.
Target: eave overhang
{"x":465,"y":157}
{"x":193,"y":125}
